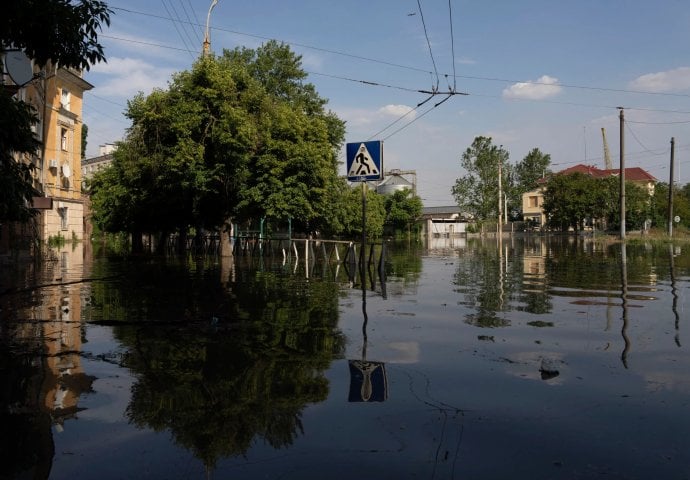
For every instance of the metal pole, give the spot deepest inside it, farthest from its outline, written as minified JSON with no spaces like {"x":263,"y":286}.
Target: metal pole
{"x":364,"y":225}
{"x":207,"y":36}
{"x":622,"y":171}
{"x":670,"y":191}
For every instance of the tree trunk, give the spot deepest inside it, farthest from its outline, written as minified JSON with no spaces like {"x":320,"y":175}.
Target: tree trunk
{"x":137,"y":243}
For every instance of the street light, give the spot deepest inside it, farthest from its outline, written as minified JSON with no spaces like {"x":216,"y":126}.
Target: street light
{"x":207,"y":37}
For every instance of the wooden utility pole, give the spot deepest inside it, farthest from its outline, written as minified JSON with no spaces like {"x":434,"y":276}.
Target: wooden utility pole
{"x":670,"y":191}
{"x":622,"y":172}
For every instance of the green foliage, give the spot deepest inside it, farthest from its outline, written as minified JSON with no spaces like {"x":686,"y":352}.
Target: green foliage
{"x":403,"y":208}
{"x":16,"y":187}
{"x":571,"y":200}
{"x":84,"y":135}
{"x":351,"y":213}
{"x":681,"y":206}
{"x":477,"y":191}
{"x":534,"y":166}
{"x":527,"y":172}
{"x":60,"y":31}
{"x":239,"y":136}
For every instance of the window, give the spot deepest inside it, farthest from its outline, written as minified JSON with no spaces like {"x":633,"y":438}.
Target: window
{"x":63,"y":139}
{"x":62,"y":212}
{"x":534,"y":201}
{"x":65,"y":99}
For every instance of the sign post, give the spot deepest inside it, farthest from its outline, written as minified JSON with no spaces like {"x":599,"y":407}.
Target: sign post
{"x":364,"y":163}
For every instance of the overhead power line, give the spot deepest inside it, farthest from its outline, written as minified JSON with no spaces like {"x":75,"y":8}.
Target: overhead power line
{"x":412,"y":68}
{"x":426,"y":35}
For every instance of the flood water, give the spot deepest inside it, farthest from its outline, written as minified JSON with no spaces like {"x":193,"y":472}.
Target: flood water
{"x":536,"y":358}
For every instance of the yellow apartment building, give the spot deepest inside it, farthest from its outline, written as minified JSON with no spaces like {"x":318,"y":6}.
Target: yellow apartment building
{"x":60,"y":169}
{"x":56,"y":93}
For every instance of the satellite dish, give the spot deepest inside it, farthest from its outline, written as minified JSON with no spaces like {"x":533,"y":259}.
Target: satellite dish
{"x":19,"y":67}
{"x":66,"y":171}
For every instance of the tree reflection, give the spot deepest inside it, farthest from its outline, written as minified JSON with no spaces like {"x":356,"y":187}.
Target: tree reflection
{"x":246,"y":375}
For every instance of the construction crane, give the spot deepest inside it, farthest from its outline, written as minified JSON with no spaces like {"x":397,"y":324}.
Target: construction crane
{"x":607,"y":155}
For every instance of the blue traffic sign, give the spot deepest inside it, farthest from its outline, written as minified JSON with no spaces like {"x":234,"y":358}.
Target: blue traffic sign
{"x":364,"y":161}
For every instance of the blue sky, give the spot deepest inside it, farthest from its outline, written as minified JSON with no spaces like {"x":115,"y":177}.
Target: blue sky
{"x":544,"y":74}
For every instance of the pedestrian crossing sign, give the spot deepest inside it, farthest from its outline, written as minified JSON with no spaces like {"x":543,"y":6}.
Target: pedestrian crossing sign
{"x":365,"y":161}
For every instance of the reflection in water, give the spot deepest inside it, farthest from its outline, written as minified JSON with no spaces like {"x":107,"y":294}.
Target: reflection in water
{"x":674,"y":293}
{"x":624,"y":304}
{"x":41,"y":338}
{"x":219,"y":386}
{"x":219,"y":362}
{"x":231,"y":359}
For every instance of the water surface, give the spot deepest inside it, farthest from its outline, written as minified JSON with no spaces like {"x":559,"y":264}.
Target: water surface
{"x":532,"y":358}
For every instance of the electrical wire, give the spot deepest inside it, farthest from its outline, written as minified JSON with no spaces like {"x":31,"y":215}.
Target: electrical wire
{"x":452,"y":44}
{"x":176,"y":28}
{"x":182,"y":24}
{"x":640,"y":143}
{"x":431,"y":54}
{"x":406,"y":67}
{"x":189,"y":21}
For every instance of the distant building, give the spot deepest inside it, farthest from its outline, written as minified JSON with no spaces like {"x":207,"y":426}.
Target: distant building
{"x":443,"y":221}
{"x":533,"y":201}
{"x":89,"y":166}
{"x":394,"y":182}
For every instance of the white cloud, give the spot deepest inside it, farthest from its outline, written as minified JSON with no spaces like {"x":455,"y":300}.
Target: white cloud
{"x":669,"y":81}
{"x":544,"y":87}
{"x":372,"y":119}
{"x":127,"y":76}
{"x":398,"y":111}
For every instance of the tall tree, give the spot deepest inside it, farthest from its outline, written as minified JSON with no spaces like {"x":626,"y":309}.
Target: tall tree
{"x":238,"y":136}
{"x":477,"y":191}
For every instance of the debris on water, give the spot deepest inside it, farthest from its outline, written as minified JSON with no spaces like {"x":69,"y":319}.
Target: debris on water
{"x":548,"y":369}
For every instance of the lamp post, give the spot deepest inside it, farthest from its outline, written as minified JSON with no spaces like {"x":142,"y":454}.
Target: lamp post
{"x":207,"y":36}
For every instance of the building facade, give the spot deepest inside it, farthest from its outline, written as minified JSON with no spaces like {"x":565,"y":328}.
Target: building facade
{"x":89,"y":166}
{"x":56,"y":94}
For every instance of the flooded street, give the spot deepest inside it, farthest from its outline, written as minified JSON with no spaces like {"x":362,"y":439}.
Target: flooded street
{"x":536,"y":358}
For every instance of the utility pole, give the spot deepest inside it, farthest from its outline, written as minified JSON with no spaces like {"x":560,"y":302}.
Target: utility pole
{"x":207,"y":35}
{"x":670,"y":191}
{"x":622,"y":172}
{"x":500,"y":193}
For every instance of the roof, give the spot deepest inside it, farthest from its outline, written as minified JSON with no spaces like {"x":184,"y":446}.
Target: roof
{"x":395,"y":180}
{"x":441,"y":210}
{"x":633,"y":174}
{"x":108,"y":157}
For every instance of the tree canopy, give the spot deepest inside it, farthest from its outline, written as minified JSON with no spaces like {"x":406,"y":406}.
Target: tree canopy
{"x":571,"y":200}
{"x":477,"y":191}
{"x":238,"y":136}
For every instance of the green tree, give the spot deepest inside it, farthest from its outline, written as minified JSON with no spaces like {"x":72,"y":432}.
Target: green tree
{"x":239,"y":136}
{"x":375,"y":213}
{"x":84,"y":135}
{"x":477,"y":191}
{"x":527,"y":172}
{"x":571,"y":200}
{"x":659,"y":206}
{"x":57,"y":31}
{"x":403,"y":208}
{"x":16,"y":187}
